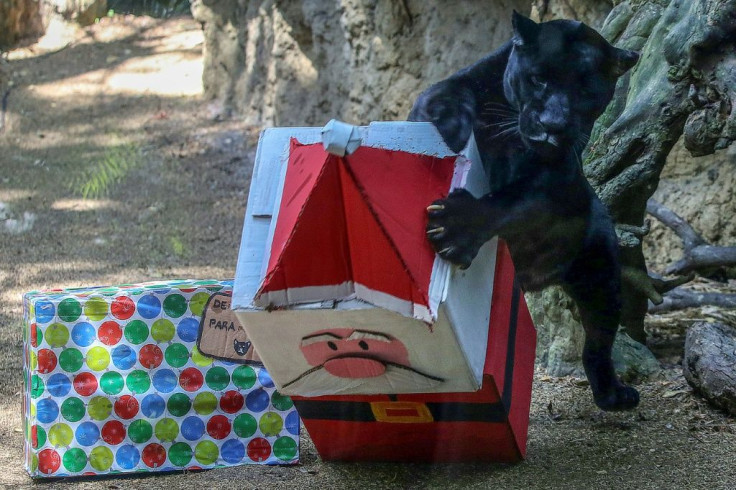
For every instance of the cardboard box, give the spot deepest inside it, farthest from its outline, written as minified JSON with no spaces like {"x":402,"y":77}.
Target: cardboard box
{"x":488,"y":425}
{"x":336,"y":283}
{"x":114,"y":383}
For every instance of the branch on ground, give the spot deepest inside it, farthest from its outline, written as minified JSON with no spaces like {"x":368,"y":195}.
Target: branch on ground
{"x":698,"y":254}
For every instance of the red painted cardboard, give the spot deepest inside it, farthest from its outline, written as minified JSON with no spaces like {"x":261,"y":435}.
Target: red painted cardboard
{"x":337,"y":286}
{"x":488,"y":425}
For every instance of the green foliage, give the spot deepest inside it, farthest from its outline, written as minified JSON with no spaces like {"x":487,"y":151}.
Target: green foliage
{"x":96,"y":180}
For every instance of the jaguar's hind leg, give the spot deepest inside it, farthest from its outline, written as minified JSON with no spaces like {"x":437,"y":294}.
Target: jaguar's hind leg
{"x":594,"y":284}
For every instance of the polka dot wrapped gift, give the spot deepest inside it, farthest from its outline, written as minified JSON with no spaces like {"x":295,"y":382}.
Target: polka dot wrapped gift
{"x":114,"y":384}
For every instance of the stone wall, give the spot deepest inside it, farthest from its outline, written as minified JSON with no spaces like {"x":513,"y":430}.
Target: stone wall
{"x":293,"y":63}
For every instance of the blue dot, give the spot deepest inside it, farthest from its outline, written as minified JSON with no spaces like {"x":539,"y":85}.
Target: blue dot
{"x":123,"y":357}
{"x":127,"y":457}
{"x":58,"y":385}
{"x":149,"y":306}
{"x":83,"y":334}
{"x":257,"y":400}
{"x":232,"y":451}
{"x":153,"y":406}
{"x":188,"y":329}
{"x":165,"y":380}
{"x":87,"y":433}
{"x":45,"y":311}
{"x":192,"y":428}
{"x":47,"y":411}
{"x":292,"y":422}
{"x":265,"y":379}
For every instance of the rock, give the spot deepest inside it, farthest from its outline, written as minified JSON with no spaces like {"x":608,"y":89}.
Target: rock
{"x":632,"y":360}
{"x":709,"y":363}
{"x":306,"y":62}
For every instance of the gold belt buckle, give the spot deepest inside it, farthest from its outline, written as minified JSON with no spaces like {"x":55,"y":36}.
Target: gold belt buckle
{"x":401,"y":412}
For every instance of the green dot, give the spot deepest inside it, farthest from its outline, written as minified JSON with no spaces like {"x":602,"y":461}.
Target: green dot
{"x":72,"y":409}
{"x":162,"y":330}
{"x":98,"y":358}
{"x":57,"y":335}
{"x":71,"y":360}
{"x":284,"y":448}
{"x":175,"y":305}
{"x":167,"y":430}
{"x":205,"y":403}
{"x":199,"y":359}
{"x":206,"y":452}
{"x":136,"y":332}
{"x":100,"y":458}
{"x":75,"y":460}
{"x":39,"y":334}
{"x":245,"y":425}
{"x":40,"y":437}
{"x":180,"y":454}
{"x":37,"y":386}
{"x":179,"y":404}
{"x":176,"y":355}
{"x":60,"y":435}
{"x":95,"y":308}
{"x":244,"y":377}
{"x":99,"y":408}
{"x":281,"y":402}
{"x":69,"y":310}
{"x":138,"y":381}
{"x":112,"y":383}
{"x":217,"y":378}
{"x":197,"y":303}
{"x":140,"y":431}
{"x":271,"y":424}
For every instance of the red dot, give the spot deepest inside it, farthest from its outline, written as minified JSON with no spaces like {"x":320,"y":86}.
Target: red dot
{"x":85,"y":384}
{"x":110,"y":333}
{"x":150,"y":356}
{"x":46,"y":361}
{"x":194,"y":468}
{"x":34,"y":436}
{"x":122,"y":308}
{"x":34,"y":335}
{"x":231,"y":402}
{"x":154,"y":455}
{"x":113,"y":432}
{"x":126,"y":407}
{"x":259,"y":449}
{"x":191,"y":379}
{"x":188,"y":290}
{"x":48,"y":461}
{"x":218,"y":427}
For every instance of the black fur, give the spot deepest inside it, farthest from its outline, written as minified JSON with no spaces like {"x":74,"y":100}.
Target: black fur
{"x":531,"y":106}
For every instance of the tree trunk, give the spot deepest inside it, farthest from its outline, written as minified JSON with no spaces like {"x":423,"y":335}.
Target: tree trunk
{"x":684,"y":84}
{"x":19,"y":19}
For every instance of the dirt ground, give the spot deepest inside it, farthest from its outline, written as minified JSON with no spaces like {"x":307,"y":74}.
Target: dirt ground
{"x":113,"y":170}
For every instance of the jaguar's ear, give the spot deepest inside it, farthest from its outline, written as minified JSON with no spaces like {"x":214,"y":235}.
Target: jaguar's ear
{"x":526,"y":30}
{"x":623,"y":61}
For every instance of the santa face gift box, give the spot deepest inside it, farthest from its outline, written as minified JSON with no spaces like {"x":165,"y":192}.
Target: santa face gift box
{"x":336,"y":284}
{"x":487,"y":425}
{"x":115,"y":383}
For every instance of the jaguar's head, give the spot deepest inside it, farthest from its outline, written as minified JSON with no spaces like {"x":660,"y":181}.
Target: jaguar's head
{"x":560,"y":77}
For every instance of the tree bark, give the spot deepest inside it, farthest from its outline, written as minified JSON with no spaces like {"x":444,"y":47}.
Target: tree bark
{"x":684,"y":83}
{"x":19,"y":19}
{"x":709,"y":364}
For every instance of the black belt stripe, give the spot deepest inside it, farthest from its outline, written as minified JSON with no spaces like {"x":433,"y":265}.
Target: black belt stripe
{"x":311,"y":409}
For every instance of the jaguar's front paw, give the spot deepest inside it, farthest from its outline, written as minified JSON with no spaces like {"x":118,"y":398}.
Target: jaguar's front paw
{"x":457,"y":227}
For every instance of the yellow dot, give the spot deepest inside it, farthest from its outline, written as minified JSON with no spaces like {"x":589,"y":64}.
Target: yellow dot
{"x":98,"y":358}
{"x":199,"y":359}
{"x":60,"y":435}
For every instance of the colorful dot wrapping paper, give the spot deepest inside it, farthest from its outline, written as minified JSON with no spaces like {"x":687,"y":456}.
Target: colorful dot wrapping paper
{"x":114,"y":383}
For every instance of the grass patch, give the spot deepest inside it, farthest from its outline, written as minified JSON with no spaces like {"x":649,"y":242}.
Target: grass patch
{"x":97,"y":180}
